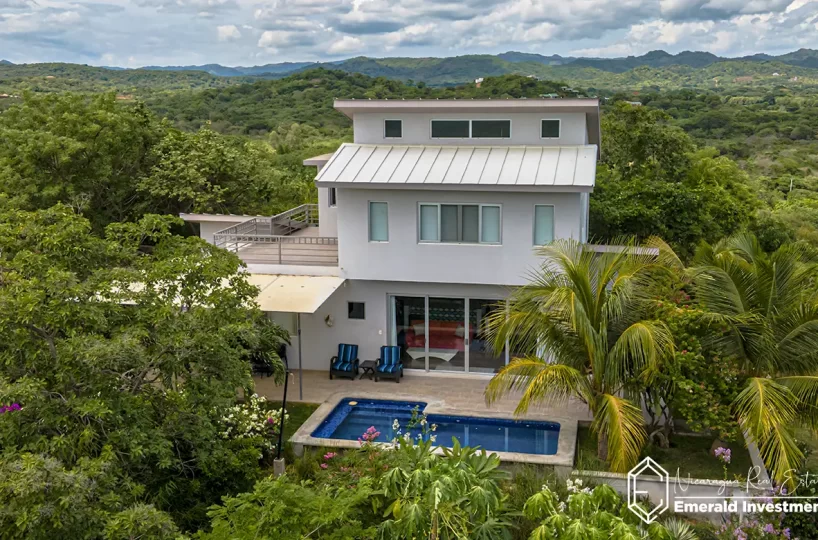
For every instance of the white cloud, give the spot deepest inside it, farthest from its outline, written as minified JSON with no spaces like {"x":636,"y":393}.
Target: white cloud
{"x":346,"y":45}
{"x":228,"y":32}
{"x":151,"y":31}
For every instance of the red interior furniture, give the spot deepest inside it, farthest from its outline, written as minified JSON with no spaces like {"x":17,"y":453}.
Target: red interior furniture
{"x":442,"y":335}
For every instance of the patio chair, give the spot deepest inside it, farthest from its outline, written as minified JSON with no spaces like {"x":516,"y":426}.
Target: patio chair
{"x":345,"y":364}
{"x":390,"y":366}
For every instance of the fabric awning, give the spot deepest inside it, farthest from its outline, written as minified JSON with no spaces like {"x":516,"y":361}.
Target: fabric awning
{"x":293,"y":294}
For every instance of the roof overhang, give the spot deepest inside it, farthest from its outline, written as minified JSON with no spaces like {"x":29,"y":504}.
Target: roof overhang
{"x":589,"y":106}
{"x":317,"y":161}
{"x":293,"y":294}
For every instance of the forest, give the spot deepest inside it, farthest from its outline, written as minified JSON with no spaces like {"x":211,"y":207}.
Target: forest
{"x":118,"y":409}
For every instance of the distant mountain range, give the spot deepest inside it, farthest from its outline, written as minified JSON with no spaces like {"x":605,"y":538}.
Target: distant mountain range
{"x":487,"y":65}
{"x":687,"y":68}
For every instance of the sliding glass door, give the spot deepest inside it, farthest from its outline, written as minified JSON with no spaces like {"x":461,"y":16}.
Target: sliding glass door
{"x":447,"y":334}
{"x":407,"y":323}
{"x":444,"y":334}
{"x":482,"y":357}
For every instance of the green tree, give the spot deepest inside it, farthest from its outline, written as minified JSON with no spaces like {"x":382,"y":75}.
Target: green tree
{"x":580,"y":330}
{"x":81,"y":151}
{"x":652,"y":182}
{"x":114,"y":348}
{"x":769,"y":306}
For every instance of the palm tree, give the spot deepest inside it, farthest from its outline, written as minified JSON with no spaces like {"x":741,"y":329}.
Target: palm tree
{"x":579,"y":330}
{"x":768,"y":306}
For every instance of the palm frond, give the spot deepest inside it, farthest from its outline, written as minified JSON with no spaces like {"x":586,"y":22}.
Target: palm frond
{"x":622,"y":423}
{"x":540,"y":383}
{"x":767,"y":410}
{"x":640,"y":349}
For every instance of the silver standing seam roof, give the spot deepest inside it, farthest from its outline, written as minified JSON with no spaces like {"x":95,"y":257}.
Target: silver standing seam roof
{"x":540,"y":168}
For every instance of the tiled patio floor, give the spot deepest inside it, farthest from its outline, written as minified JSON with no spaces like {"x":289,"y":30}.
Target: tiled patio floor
{"x":456,"y":392}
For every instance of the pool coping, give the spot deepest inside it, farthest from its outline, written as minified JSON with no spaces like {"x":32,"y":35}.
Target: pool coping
{"x":566,"y":443}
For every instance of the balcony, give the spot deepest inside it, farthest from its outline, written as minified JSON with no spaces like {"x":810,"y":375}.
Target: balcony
{"x":289,"y":238}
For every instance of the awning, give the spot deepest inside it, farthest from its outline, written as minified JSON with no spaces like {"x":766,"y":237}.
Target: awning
{"x":293,"y":294}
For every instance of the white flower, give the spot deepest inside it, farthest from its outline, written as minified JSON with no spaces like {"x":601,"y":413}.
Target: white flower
{"x":396,"y":425}
{"x":433,"y":438}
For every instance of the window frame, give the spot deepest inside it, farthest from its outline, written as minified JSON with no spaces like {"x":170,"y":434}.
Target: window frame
{"x":349,"y":306}
{"x":332,"y":197}
{"x":559,"y":128}
{"x":433,"y":120}
{"x":369,"y":222}
{"x":385,"y":120}
{"x":534,"y":224}
{"x":471,"y":129}
{"x":480,"y":206}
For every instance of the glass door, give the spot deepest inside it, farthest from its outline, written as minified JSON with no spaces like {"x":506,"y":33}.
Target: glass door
{"x":407,"y":322}
{"x":444,"y":334}
{"x":447,"y":337}
{"x":482,"y":358}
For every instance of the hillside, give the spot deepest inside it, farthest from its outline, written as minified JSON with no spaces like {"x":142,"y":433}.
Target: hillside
{"x":656,"y":70}
{"x":58,"y":77}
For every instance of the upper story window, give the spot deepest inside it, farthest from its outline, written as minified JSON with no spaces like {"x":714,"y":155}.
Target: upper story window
{"x":471,"y":129}
{"x":543,"y":224}
{"x":491,"y":129}
{"x":450,"y":129}
{"x":459,"y":223}
{"x":392,"y":129}
{"x":550,"y":129}
{"x":378,"y":222}
{"x":331,"y":198}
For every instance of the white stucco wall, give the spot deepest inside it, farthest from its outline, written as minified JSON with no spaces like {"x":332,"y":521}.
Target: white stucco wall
{"x":525,"y":128}
{"x":320,"y":342}
{"x":403,"y":258}
{"x":327,"y":215}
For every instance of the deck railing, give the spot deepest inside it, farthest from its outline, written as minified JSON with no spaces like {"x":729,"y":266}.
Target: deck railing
{"x":275,"y":240}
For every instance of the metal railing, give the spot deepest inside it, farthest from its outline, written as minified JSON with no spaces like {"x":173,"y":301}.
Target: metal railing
{"x":275,"y":240}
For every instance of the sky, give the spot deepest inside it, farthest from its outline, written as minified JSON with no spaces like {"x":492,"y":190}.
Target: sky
{"x":253,"y":32}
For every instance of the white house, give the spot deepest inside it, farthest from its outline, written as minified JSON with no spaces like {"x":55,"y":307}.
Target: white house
{"x":422,"y":226}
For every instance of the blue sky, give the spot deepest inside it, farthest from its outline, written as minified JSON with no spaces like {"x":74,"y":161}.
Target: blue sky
{"x":249,"y":32}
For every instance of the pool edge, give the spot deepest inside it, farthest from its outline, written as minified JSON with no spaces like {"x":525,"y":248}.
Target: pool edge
{"x":566,"y":444}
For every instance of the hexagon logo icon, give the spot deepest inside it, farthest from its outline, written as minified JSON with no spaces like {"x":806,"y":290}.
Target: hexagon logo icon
{"x":648,"y":479}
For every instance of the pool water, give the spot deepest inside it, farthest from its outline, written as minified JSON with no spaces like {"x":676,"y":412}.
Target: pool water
{"x":349,"y":422}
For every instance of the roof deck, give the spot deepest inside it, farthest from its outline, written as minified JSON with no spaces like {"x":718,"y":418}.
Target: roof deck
{"x":289,"y":238}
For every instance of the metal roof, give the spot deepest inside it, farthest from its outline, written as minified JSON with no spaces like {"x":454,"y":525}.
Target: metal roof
{"x":540,"y":168}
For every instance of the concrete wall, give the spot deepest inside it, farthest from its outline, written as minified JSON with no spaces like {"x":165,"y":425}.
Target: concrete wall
{"x":320,"y":342}
{"x":327,"y":215}
{"x":403,"y":258}
{"x":525,"y":128}
{"x":208,"y":228}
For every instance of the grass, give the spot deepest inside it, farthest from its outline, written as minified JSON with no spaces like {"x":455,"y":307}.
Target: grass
{"x":690,"y":455}
{"x":299,"y":412}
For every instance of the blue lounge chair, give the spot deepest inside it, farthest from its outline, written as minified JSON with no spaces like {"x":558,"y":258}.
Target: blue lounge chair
{"x":346,"y":363}
{"x":390,"y":366}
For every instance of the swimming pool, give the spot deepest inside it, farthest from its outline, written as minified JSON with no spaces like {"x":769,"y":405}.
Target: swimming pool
{"x":348,"y":422}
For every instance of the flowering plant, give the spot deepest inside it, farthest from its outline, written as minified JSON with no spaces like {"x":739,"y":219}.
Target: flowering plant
{"x":724,"y":455}
{"x":251,"y":420}
{"x":417,"y":420}
{"x":10,"y":408}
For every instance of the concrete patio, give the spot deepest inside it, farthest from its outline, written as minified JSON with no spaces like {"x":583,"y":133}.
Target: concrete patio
{"x":457,"y":391}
